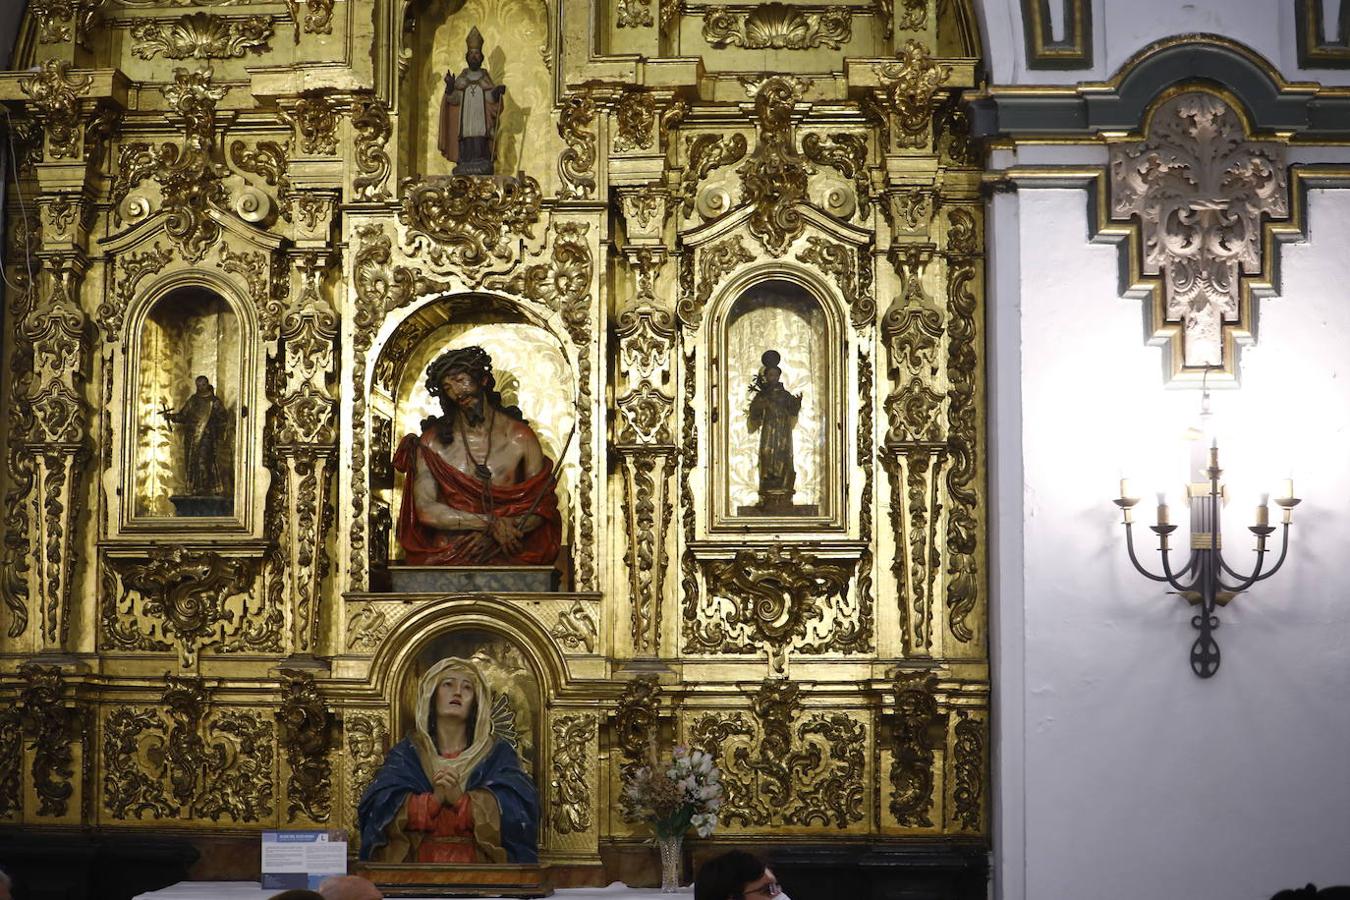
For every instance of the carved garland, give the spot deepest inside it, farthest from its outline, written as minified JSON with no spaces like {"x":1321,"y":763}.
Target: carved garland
{"x":637,"y":721}
{"x":968,"y":792}
{"x":964,"y":579}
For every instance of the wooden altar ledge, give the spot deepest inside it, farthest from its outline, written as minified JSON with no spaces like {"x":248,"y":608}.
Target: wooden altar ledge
{"x":458,"y":880}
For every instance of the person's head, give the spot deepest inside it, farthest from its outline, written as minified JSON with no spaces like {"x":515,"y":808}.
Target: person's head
{"x":297,"y":894}
{"x":5,"y":886}
{"x":453,"y":692}
{"x":475,"y":43}
{"x":349,"y":887}
{"x":203,"y":384}
{"x":454,"y":698}
{"x":736,"y":875}
{"x":462,"y":378}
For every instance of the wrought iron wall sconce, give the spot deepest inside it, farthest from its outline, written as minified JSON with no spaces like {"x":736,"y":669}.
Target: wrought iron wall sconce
{"x":1201,"y":581}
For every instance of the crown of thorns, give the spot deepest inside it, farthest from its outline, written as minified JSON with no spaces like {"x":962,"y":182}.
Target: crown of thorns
{"x":474,"y":360}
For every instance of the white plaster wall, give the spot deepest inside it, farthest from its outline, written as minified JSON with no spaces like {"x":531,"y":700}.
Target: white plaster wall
{"x":1124,"y":27}
{"x":1119,"y":773}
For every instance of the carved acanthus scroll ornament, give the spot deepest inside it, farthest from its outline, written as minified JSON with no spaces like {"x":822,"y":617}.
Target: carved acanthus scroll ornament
{"x":306,"y":736}
{"x":576,"y":164}
{"x":636,"y":120}
{"x":370,"y":120}
{"x":55,"y":98}
{"x":777,"y":26}
{"x":774,"y":177}
{"x":50,"y":725}
{"x":202,"y":36}
{"x":1200,"y":190}
{"x":911,"y":91}
{"x":775,"y":774}
{"x":917,"y":730}
{"x":60,"y":20}
{"x":703,"y":153}
{"x":470,"y":224}
{"x":573,"y":737}
{"x":637,"y":720}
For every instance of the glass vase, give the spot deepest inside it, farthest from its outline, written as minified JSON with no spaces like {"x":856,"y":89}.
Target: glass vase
{"x":672,"y":855}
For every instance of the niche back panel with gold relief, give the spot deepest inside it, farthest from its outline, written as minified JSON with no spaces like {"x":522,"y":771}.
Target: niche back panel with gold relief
{"x":259,"y":195}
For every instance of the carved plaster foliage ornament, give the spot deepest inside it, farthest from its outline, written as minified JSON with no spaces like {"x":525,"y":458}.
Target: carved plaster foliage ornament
{"x":1200,"y":190}
{"x":917,"y":730}
{"x":633,"y":13}
{"x":969,"y":767}
{"x":846,"y":152}
{"x":911,"y":91}
{"x":572,"y":803}
{"x":703,"y":153}
{"x":716,"y":261}
{"x":306,"y":736}
{"x":187,"y":758}
{"x":774,"y":177}
{"x":576,"y":164}
{"x":777,"y":26}
{"x":318,"y":16}
{"x":637,"y":721}
{"x":784,"y":766}
{"x":202,"y":36}
{"x":316,"y":121}
{"x":470,"y":224}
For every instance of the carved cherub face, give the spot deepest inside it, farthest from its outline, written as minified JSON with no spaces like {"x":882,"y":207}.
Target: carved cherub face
{"x":455,"y":696}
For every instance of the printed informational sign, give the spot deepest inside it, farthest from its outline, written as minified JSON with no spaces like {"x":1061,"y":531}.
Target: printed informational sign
{"x":302,"y":859}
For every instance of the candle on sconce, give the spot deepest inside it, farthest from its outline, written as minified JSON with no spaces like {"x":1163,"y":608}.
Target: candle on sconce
{"x":1162,"y":509}
{"x":1263,"y":511}
{"x":1125,"y":489}
{"x":1287,"y":489}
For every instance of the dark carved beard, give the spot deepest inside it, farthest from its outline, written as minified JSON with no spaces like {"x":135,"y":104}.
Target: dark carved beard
{"x":473,"y":415}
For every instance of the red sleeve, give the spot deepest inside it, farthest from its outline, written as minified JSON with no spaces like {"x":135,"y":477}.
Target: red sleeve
{"x":422,"y":812}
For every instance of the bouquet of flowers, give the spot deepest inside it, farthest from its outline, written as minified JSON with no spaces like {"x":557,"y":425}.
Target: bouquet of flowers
{"x":685,"y":793}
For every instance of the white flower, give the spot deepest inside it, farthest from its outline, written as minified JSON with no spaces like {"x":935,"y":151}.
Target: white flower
{"x":714,"y":804}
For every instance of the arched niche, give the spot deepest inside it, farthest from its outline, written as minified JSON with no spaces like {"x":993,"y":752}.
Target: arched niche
{"x":190,"y":356}
{"x":532,"y":371}
{"x":516,"y":40}
{"x":755,"y":423}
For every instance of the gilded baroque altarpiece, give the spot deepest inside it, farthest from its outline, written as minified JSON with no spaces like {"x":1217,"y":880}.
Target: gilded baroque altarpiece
{"x":252,"y":191}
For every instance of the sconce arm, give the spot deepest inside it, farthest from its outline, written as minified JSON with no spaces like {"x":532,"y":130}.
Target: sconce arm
{"x":1284,"y":551}
{"x":1245,"y":581}
{"x":1129,"y":546}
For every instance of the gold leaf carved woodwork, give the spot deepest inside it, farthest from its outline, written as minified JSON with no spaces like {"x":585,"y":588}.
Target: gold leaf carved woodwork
{"x":774,"y":178}
{"x":367,"y":627}
{"x":185,"y":593}
{"x":563,"y":285}
{"x":50,"y":726}
{"x":572,"y":803}
{"x":370,"y":119}
{"x":367,"y":737}
{"x":866,"y":461}
{"x":913,"y":14}
{"x":54,"y":94}
{"x":968,"y":763}
{"x":11,"y":763}
{"x":60,"y":20}
{"x":202,"y":36}
{"x":646,"y":338}
{"x":911,"y":331}
{"x":315,"y":120}
{"x":964,"y":579}
{"x":776,"y":774}
{"x":649,"y":510}
{"x":847,"y":154}
{"x":380,"y":289}
{"x":18,"y":527}
{"x":576,"y":629}
{"x":689,"y":582}
{"x":917,"y":729}
{"x":255,"y":268}
{"x":637,"y":720}
{"x":703,"y":153}
{"x":911,"y":90}
{"x":838,"y":261}
{"x":635,"y":119}
{"x":305,"y":736}
{"x":884,"y":11}
{"x":633,"y":13}
{"x":576,"y":164}
{"x":318,"y":16}
{"x":1200,"y":190}
{"x":641,"y":209}
{"x":266,"y":159}
{"x":770,"y":598}
{"x":777,"y":26}
{"x":188,"y":759}
{"x":716,"y":261}
{"x":468,"y":223}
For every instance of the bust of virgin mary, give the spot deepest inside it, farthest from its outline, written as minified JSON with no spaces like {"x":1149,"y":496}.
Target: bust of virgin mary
{"x":451,"y":791}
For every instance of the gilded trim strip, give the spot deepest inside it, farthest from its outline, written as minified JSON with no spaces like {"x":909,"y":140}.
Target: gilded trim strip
{"x":1073,"y":51}
{"x":1315,"y":51}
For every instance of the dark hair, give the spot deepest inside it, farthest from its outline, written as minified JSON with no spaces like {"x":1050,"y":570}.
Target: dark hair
{"x":297,"y":894}
{"x":724,"y":876}
{"x":475,"y":362}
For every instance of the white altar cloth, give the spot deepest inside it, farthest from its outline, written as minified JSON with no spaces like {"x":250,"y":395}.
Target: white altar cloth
{"x":251,"y":890}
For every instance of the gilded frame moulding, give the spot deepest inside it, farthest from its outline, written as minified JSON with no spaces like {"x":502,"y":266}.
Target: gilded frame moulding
{"x":1318,"y":46}
{"x":1073,"y":50}
{"x":778,"y":26}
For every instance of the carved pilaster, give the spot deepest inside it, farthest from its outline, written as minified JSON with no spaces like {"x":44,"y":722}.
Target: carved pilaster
{"x":917,"y":729}
{"x":49,"y":725}
{"x":306,"y":736}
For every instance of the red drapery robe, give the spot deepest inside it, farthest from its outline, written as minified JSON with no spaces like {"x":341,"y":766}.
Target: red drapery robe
{"x":427,"y":546}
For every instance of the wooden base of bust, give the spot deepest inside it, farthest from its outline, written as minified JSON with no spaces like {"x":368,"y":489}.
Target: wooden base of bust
{"x":458,"y":880}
